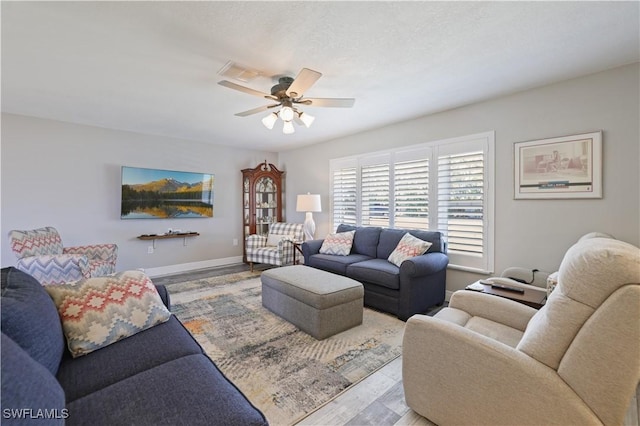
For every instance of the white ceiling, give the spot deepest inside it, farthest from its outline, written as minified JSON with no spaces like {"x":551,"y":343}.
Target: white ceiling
{"x":152,"y":67}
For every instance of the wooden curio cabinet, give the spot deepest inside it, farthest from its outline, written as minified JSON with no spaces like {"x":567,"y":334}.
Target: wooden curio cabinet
{"x":262,"y":200}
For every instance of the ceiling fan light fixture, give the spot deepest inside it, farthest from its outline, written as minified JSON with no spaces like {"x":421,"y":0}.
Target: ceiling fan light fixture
{"x":306,"y":118}
{"x":286,"y":113}
{"x":288,"y":128}
{"x":270,"y":120}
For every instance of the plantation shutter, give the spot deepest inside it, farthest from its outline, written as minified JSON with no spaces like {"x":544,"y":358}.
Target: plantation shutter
{"x":462,"y":200}
{"x":375,"y":195}
{"x":445,"y":185}
{"x":411,"y":194}
{"x":344,"y":192}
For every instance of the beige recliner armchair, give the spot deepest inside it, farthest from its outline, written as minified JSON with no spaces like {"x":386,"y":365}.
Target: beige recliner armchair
{"x":489,"y":360}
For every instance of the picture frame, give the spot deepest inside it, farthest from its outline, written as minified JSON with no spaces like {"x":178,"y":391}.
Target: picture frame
{"x":559,"y":168}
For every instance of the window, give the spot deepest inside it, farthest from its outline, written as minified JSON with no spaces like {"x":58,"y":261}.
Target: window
{"x":343,"y":192}
{"x":400,"y":189}
{"x":374,"y":195}
{"x":411,"y":194}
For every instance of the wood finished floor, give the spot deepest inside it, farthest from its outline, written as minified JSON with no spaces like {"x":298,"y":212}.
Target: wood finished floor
{"x":377,"y":400}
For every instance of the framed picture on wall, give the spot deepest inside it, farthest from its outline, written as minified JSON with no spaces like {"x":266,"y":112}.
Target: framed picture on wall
{"x":562,"y":167}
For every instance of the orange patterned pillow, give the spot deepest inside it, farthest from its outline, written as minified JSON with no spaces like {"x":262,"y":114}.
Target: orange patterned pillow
{"x":97,"y":312}
{"x":409,"y":246}
{"x":338,"y":244}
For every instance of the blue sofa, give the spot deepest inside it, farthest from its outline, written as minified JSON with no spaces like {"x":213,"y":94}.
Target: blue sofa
{"x":160,"y":376}
{"x":418,"y":284}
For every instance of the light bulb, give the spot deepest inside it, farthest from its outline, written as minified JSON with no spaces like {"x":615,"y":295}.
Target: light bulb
{"x":286,"y":113}
{"x":306,"y":119}
{"x":270,"y":120}
{"x":287,"y":128}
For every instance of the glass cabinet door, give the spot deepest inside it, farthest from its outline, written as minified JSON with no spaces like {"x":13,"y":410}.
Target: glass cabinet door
{"x":266,"y":205}
{"x":246,"y":211}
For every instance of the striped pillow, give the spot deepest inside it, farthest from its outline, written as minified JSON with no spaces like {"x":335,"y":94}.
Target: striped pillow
{"x":97,"y":312}
{"x":338,"y":244}
{"x":408,"y":247}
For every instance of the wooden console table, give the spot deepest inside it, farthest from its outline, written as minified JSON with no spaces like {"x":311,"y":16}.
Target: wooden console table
{"x":155,"y":237}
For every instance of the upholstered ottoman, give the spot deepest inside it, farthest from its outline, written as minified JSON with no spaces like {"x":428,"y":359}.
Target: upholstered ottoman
{"x":318,"y":302}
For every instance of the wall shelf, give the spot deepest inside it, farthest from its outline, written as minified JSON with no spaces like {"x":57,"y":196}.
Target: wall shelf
{"x":155,"y":237}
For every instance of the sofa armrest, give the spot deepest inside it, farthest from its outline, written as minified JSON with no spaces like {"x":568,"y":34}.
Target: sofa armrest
{"x":164,"y":295}
{"x":425,"y":264}
{"x":310,"y":248}
{"x":255,"y":241}
{"x":479,"y":372}
{"x":494,"y":308}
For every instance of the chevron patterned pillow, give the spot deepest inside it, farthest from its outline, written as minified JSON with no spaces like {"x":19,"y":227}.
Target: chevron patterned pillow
{"x":97,"y":312}
{"x":408,"y":246}
{"x":338,"y":244}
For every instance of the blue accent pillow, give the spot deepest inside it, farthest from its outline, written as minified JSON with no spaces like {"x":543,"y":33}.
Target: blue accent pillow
{"x":30,"y":393}
{"x":30,"y":318}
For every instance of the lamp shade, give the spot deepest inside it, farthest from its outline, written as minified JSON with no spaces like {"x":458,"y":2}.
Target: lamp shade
{"x":308,"y":203}
{"x":270,"y":120}
{"x":287,"y":128}
{"x":306,"y":118}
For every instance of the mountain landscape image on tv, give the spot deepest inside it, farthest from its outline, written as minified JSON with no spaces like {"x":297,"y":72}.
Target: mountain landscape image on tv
{"x":165,"y":194}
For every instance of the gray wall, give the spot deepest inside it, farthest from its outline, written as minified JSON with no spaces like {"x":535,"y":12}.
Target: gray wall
{"x":528,"y":233}
{"x":68,"y":176}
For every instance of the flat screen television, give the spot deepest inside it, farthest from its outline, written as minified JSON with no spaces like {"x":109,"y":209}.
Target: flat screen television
{"x":165,"y":194}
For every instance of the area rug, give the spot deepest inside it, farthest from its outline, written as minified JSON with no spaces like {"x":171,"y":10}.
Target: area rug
{"x":283,"y":371}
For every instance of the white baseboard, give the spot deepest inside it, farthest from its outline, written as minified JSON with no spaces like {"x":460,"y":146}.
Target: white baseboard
{"x":187,"y":267}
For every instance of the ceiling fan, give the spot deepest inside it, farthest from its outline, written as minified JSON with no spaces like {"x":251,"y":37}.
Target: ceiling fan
{"x":288,"y":94}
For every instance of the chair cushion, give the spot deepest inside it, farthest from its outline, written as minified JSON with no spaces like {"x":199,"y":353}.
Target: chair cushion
{"x":147,"y":349}
{"x":29,"y":388}
{"x":36,"y":242}
{"x":286,"y":228}
{"x":185,"y":391}
{"x":335,"y":264}
{"x":591,"y":270}
{"x":30,"y":318}
{"x":273,"y":239}
{"x":365,"y":240}
{"x":97,"y":312}
{"x":338,"y":244}
{"x":376,"y":271}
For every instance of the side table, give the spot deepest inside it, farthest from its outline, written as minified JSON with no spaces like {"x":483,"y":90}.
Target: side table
{"x":531,"y":296}
{"x":297,"y":247}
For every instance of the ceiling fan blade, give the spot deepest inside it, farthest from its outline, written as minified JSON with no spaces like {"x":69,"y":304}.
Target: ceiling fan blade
{"x":253,"y":92}
{"x":328,"y":102}
{"x":256,"y":110}
{"x":305,"y":79}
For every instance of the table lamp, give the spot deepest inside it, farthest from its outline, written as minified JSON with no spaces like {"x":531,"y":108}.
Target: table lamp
{"x":308,"y":203}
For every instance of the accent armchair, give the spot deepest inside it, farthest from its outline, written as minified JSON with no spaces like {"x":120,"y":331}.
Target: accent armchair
{"x":41,"y":254}
{"x":277,"y":247}
{"x":486,"y":360}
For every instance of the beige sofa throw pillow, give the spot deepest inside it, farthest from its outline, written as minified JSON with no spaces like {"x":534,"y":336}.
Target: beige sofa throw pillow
{"x":274,"y":239}
{"x":338,"y":244}
{"x":96,"y":312}
{"x":408,"y":247}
